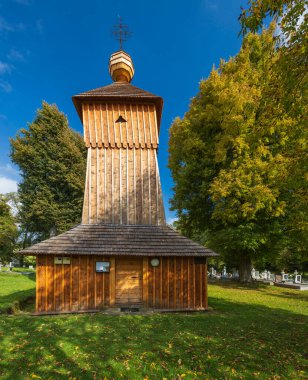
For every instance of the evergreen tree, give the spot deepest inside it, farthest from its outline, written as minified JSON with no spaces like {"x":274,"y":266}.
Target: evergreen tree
{"x":236,"y":159}
{"x":8,"y":231}
{"x":51,"y":158}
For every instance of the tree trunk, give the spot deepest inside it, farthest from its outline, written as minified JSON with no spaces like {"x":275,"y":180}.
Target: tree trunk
{"x":245,"y":268}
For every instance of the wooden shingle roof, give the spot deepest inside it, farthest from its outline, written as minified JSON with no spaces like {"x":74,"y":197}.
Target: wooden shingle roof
{"x":116,"y":240}
{"x":119,"y":92}
{"x":119,"y":89}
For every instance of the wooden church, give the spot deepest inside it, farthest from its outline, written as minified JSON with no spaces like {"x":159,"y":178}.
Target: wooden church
{"x":123,"y":254}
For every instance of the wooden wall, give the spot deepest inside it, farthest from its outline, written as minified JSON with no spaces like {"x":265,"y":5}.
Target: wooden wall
{"x":122,"y":187}
{"x":122,"y":180}
{"x":101,"y":129}
{"x":177,"y":283}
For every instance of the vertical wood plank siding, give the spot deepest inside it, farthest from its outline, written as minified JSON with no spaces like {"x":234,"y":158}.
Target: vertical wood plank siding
{"x":122,"y":180}
{"x":177,"y":283}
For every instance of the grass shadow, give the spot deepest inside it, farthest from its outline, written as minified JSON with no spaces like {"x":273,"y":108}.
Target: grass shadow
{"x":237,"y":341}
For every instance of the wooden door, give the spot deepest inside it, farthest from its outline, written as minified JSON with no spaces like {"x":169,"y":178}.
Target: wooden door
{"x":128,"y":281}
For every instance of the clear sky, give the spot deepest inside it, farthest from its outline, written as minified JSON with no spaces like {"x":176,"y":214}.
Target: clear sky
{"x":53,"y":49}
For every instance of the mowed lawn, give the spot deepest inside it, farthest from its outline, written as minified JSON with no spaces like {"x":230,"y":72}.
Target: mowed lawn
{"x":252,"y":332}
{"x":15,"y":287}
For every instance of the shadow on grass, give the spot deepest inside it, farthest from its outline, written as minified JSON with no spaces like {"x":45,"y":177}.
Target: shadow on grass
{"x":237,"y":341}
{"x":239,"y":285}
{"x":31,"y":276}
{"x":16,"y":300}
{"x":301,"y":296}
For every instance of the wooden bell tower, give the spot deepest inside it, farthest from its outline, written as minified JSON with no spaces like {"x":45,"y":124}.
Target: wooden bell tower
{"x":121,"y":132}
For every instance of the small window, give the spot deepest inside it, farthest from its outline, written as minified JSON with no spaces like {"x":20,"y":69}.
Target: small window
{"x":200,"y":260}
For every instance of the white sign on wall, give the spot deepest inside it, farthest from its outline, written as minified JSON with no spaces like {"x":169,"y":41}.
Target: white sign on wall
{"x":103,"y":266}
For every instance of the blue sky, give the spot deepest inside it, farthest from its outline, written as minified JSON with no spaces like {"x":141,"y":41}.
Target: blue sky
{"x":51,"y":50}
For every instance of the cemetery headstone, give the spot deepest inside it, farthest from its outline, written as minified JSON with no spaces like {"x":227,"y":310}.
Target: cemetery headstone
{"x":224,"y":272}
{"x":278,"y":278}
{"x":264,"y":275}
{"x":253,"y":273}
{"x":235,"y":274}
{"x":297,"y":279}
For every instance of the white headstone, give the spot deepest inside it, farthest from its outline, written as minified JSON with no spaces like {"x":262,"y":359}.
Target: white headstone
{"x":253,"y":273}
{"x":298,"y":279}
{"x":264,"y":275}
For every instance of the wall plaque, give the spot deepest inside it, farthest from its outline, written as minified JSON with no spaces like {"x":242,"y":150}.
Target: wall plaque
{"x":103,"y":266}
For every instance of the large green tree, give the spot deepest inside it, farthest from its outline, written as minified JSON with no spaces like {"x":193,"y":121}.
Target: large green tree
{"x":51,"y":158}
{"x":291,"y":37}
{"x":8,"y":231}
{"x":236,"y":159}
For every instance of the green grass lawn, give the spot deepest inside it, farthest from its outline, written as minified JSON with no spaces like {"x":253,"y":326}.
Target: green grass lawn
{"x":15,"y":288}
{"x":257,"y":332}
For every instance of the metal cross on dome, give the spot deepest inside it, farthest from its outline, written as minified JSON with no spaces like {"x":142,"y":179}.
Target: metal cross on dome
{"x":121,"y":32}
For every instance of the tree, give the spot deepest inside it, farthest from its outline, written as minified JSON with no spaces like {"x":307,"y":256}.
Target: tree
{"x":291,"y":16}
{"x":51,"y":158}
{"x":24,"y":238}
{"x":8,"y":231}
{"x":292,"y":44}
{"x":236,"y":160}
{"x":291,"y":38}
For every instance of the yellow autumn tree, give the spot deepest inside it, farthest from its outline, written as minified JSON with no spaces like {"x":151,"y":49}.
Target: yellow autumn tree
{"x":237,"y":157}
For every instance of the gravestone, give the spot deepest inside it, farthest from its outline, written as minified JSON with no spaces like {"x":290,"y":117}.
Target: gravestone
{"x":297,"y":278}
{"x":253,"y":273}
{"x":278,"y":278}
{"x":235,"y":274}
{"x":224,"y":272}
{"x":263,"y":275}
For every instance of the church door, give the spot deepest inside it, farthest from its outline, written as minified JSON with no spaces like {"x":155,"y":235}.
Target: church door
{"x":128,"y":281}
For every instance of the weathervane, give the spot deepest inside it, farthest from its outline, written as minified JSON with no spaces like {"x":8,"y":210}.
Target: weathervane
{"x":121,"y":32}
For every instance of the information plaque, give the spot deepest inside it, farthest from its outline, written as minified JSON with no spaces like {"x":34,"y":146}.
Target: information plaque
{"x":103,"y":266}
